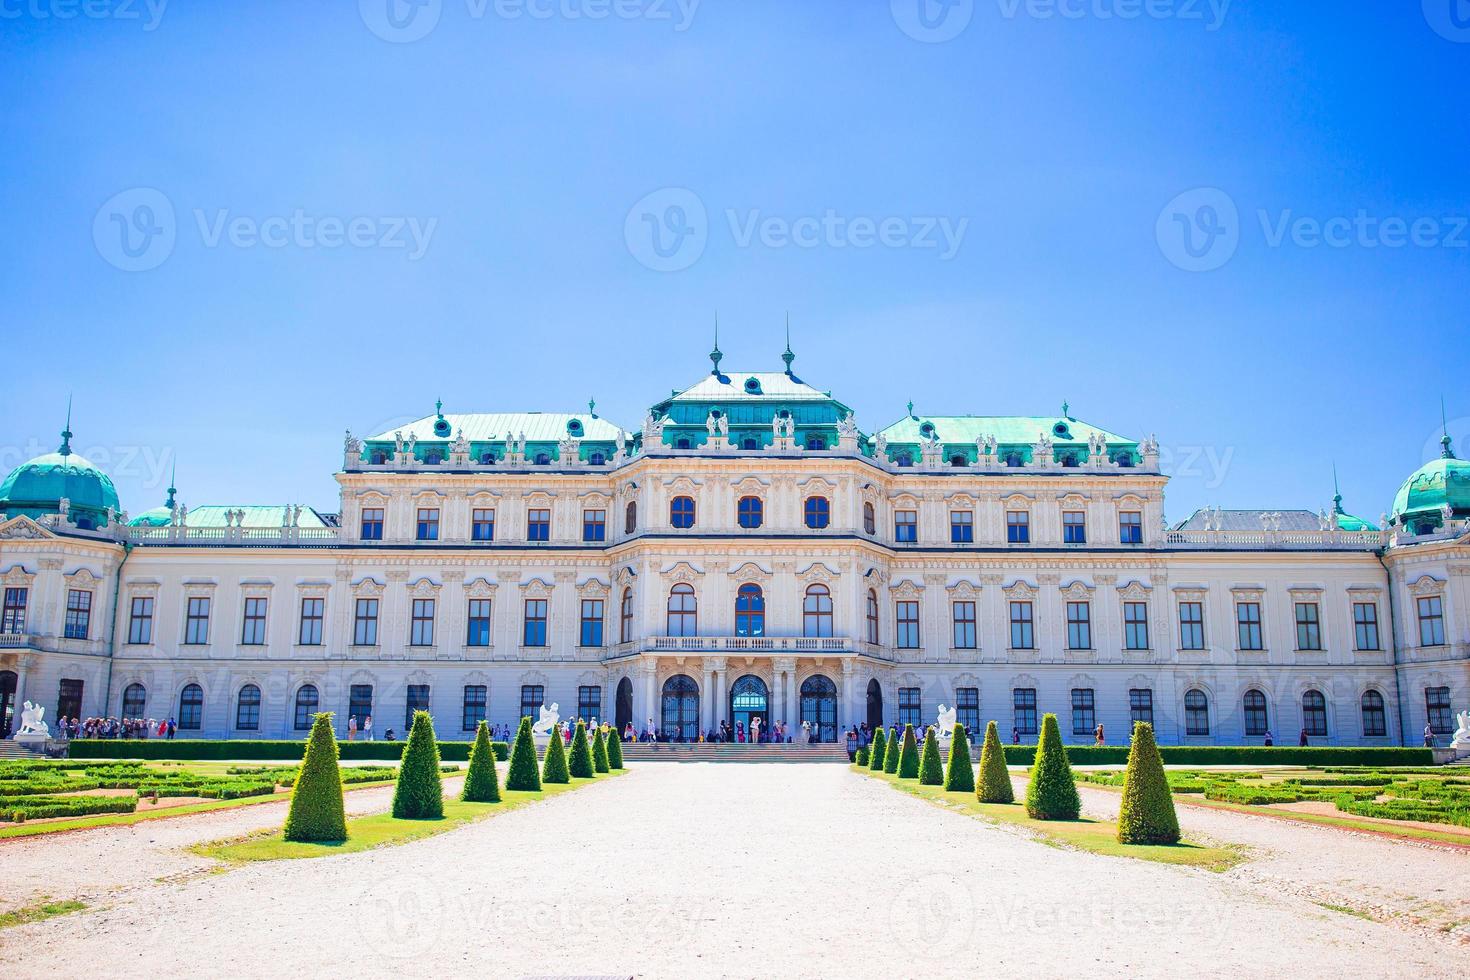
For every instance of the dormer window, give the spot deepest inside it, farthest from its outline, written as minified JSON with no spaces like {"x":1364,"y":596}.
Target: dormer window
{"x":487,"y":458}
{"x":1014,"y":459}
{"x":959,"y":459}
{"x":816,"y":442}
{"x":927,"y":430}
{"x":751,"y":442}
{"x":543,"y":459}
{"x":681,"y":444}
{"x":1061,"y":431}
{"x":597,"y":459}
{"x":752,"y":386}
{"x":441,"y":428}
{"x":904,"y":459}
{"x":378,"y":458}
{"x":433,"y":457}
{"x":574,"y":427}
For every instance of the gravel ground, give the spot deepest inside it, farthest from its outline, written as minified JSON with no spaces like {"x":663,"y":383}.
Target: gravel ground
{"x":695,"y":870}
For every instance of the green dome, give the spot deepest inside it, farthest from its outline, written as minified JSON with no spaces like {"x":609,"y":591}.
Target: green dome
{"x":157,"y":517}
{"x":37,"y":487}
{"x":1439,"y":482}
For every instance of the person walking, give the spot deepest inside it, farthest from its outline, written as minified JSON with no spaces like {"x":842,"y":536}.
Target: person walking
{"x":1428,"y":735}
{"x":1270,"y":739}
{"x":351,"y":727}
{"x":1097,"y":734}
{"x":1302,"y":739}
{"x":367,"y":728}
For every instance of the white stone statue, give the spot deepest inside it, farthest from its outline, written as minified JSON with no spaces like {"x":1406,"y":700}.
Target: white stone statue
{"x":946,"y":721}
{"x":1461,"y":739}
{"x":31,"y":721}
{"x":546,"y":724}
{"x":351,"y":445}
{"x":461,"y":445}
{"x":653,"y":430}
{"x":398,"y":441}
{"x":847,"y":428}
{"x":880,"y":446}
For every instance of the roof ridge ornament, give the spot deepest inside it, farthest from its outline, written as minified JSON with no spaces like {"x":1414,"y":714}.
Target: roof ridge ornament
{"x":65,"y":449}
{"x":788,"y":356}
{"x":1447,"y":452}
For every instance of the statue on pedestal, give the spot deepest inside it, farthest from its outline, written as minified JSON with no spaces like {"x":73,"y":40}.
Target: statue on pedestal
{"x":31,"y":721}
{"x":546,"y":724}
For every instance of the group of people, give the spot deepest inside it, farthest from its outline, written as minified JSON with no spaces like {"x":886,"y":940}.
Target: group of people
{"x":75,"y":727}
{"x":758,"y":733}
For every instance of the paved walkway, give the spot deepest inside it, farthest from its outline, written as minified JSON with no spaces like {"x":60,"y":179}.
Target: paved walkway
{"x":727,"y":870}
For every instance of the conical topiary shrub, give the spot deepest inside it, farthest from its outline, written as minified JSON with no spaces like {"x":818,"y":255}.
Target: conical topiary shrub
{"x":890,"y":756}
{"x":316,"y":798}
{"x":958,"y":776}
{"x":1051,"y":793}
{"x":877,"y":751}
{"x":931,"y":769}
{"x":1147,"y":815}
{"x":419,"y":794}
{"x":481,"y":782}
{"x":614,"y":749}
{"x":524,"y":773}
{"x":554,"y":766}
{"x":908,"y":755}
{"x":580,"y":763}
{"x":599,"y":753}
{"x":995,"y":779}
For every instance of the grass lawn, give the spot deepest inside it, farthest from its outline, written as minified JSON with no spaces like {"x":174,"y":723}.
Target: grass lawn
{"x":382,"y":829}
{"x":1086,"y":834}
{"x":39,"y":912}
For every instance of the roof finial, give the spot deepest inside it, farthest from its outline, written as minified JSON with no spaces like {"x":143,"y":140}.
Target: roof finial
{"x":592,"y":407}
{"x":715,"y":355}
{"x":172,"y":479}
{"x":1336,"y":490}
{"x":439,"y":407}
{"x":1065,"y":407}
{"x":1448,"y":452}
{"x":788,"y":357}
{"x":65,"y":449}
{"x":911,"y":410}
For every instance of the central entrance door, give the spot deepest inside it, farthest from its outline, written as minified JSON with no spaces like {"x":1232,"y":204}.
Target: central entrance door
{"x":680,"y":721}
{"x":819,"y":706}
{"x":749,"y":699}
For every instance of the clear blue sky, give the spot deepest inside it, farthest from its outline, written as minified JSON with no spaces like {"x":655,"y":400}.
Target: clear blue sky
{"x":1059,"y":142}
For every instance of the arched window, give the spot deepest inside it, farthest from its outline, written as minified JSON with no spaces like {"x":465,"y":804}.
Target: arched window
{"x":683,"y":611}
{"x":904,"y":459}
{"x":1196,"y":712}
{"x":870,"y":520}
{"x":819,"y":706}
{"x":681,"y":444}
{"x":680,"y":715}
{"x":626,"y":633}
{"x":816,"y":611}
{"x":135,"y":698}
{"x":1314,"y":713}
{"x":1375,"y":722}
{"x":750,"y":512}
{"x":487,"y":458}
{"x":543,"y":459}
{"x":306,"y":702}
{"x":191,"y":707}
{"x":681,"y":512}
{"x":872,"y":616}
{"x":817,"y":511}
{"x":959,"y":459}
{"x":247,"y":709}
{"x":1124,"y":460}
{"x":630,"y":517}
{"x":750,"y":611}
{"x":1069,"y":459}
{"x":1255,"y":713}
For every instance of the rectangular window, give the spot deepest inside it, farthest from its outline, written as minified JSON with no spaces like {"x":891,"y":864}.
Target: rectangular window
{"x":1023,"y":636}
{"x":312,"y":612}
{"x":1079,"y":626}
{"x":1365,"y":626}
{"x":594,"y":525}
{"x":474,"y":707}
{"x":196,"y":623}
{"x":482,"y":524}
{"x":1141,"y":704}
{"x":964,"y":625}
{"x":78,"y":614}
{"x":359,"y":704}
{"x":538,"y":524}
{"x":478,"y":632}
{"x":372,"y":523}
{"x":140,"y":620}
{"x":1018,"y":527}
{"x":967,"y":709}
{"x":1191,"y":625}
{"x":428,"y":524}
{"x":534,"y":632}
{"x":533,"y":696}
{"x":961,"y":526}
{"x":906,"y":625}
{"x":252,"y":630}
{"x":14,"y":619}
{"x":1135,"y":625}
{"x":1023,"y":709}
{"x":910,"y":707}
{"x":365,"y":623}
{"x":1248,"y":625}
{"x":1437,"y":705}
{"x":69,"y":699}
{"x":589,"y":703}
{"x":1084,"y":712}
{"x":1308,"y":626}
{"x":905,"y":526}
{"x":421,"y":628}
{"x":1431,"y":621}
{"x":1074,"y":527}
{"x":418,"y":700}
{"x":1130,"y":527}
{"x":591,"y":633}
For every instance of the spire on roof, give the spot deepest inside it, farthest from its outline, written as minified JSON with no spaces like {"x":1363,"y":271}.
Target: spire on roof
{"x":65,"y":449}
{"x":592,"y":407}
{"x":172,"y":479}
{"x":788,"y":357}
{"x":911,"y":410}
{"x":1065,"y":413}
{"x":439,"y":407}
{"x":1448,"y":452}
{"x":715,"y":355}
{"x":1336,"y":491}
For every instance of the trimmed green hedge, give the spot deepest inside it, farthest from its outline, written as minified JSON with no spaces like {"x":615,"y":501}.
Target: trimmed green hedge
{"x":203,"y":749}
{"x":1236,"y":755}
{"x":17,"y":809}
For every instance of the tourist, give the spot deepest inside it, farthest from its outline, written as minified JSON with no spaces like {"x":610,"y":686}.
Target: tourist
{"x":351,"y":728}
{"x":1428,"y":736}
{"x":367,"y":728}
{"x":852,"y":745}
{"x":388,"y":736}
{"x":171,"y":729}
{"x":1302,"y":739}
{"x":1015,"y":735}
{"x":755,"y":730}
{"x":1097,"y":734}
{"x":1270,"y":739}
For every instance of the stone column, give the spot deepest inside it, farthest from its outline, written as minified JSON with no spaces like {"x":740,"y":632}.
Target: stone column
{"x":706,"y":697}
{"x":722,"y":692}
{"x":649,"y":667}
{"x":22,"y":666}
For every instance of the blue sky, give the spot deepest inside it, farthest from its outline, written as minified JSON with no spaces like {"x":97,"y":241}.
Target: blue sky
{"x":1135,"y":202}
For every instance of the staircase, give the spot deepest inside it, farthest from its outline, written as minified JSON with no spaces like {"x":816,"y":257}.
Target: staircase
{"x":11,"y":749}
{"x":733,"y":752}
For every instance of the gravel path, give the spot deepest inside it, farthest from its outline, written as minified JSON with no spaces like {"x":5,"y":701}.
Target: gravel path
{"x":695,"y":870}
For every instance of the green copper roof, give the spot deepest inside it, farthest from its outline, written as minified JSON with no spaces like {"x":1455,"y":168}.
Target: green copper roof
{"x":37,"y":487}
{"x":211,"y":515}
{"x":497,"y":426}
{"x":738,"y":386}
{"x":157,"y":517}
{"x":1023,"y":430}
{"x":1441,"y":481}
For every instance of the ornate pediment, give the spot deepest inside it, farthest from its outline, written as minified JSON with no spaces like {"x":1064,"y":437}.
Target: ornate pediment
{"x":964,"y":590}
{"x":1077,"y":591}
{"x":368,"y":588}
{"x":536,"y":589}
{"x":751,"y":572}
{"x":1426,"y":585}
{"x":82,"y":578}
{"x":750,"y":487}
{"x":22,"y":528}
{"x":1017,"y":501}
{"x":1020,"y":589}
{"x":1134,"y":591}
{"x":817,"y":572}
{"x":876,"y":576}
{"x":1073,"y":499}
{"x":962,"y":501}
{"x":817,"y":485}
{"x":682,"y":571}
{"x":480,"y":589}
{"x":906,"y":589}
{"x":17,"y":577}
{"x":593,"y":588}
{"x":904,"y":499}
{"x":625,"y":576}
{"x":682,"y":485}
{"x":424,"y":588}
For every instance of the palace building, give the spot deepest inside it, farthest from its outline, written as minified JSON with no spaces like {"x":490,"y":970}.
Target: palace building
{"x":748,"y":552}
